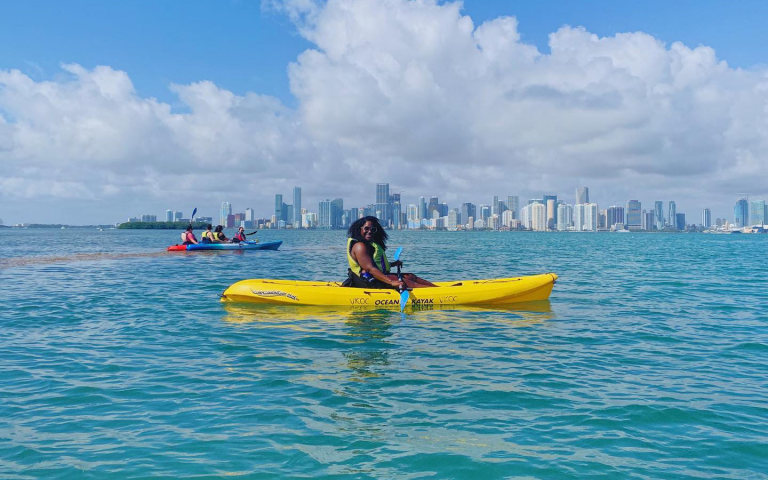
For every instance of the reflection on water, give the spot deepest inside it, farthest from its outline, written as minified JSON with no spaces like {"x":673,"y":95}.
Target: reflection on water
{"x":366,"y":332}
{"x":290,"y":316}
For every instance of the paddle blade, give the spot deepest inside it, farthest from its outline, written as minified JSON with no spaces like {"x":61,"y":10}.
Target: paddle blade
{"x":194,"y":212}
{"x":404,"y":299}
{"x":397,"y":253}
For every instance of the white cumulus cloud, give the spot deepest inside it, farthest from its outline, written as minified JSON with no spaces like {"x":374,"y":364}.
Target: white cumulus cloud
{"x":409,"y":92}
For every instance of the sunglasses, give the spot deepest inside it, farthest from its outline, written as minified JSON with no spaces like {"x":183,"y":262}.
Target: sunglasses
{"x":370,"y":229}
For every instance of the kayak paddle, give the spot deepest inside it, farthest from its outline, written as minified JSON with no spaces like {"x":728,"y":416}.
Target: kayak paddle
{"x":192,"y":220}
{"x":404,"y":293}
{"x":252,"y":233}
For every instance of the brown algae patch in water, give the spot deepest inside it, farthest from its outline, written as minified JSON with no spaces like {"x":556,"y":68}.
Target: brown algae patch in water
{"x":77,"y":257}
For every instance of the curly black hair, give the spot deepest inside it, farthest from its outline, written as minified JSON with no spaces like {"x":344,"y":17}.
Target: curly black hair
{"x":379,"y":236}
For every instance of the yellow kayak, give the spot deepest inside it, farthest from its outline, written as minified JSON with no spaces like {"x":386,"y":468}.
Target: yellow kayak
{"x":497,"y":291}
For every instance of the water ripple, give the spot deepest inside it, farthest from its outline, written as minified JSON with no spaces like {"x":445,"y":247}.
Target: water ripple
{"x":649,"y":362}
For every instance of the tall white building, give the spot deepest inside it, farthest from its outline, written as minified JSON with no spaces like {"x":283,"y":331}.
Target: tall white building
{"x":578,"y":217}
{"x":507,"y":218}
{"x":538,"y":217}
{"x":585,"y":216}
{"x":564,"y":217}
{"x":451,"y":220}
{"x":226,"y":210}
{"x":590,"y":217}
{"x":412,"y":215}
{"x":525,"y":216}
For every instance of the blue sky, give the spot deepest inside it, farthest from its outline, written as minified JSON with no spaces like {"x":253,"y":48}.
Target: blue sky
{"x":230,"y":61}
{"x":245,"y":46}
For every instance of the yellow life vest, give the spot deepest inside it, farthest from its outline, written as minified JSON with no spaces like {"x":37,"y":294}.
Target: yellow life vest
{"x":379,"y":258}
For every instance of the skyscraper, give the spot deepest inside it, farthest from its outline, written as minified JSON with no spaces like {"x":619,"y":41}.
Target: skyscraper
{"x":564,"y":217}
{"x":634,"y":217}
{"x":590,"y":217}
{"x":226,"y":210}
{"x":296,"y":207}
{"x":539,"y":220}
{"x":250,"y":216}
{"x":485,"y":212}
{"x":550,"y":204}
{"x":382,"y":203}
{"x":582,"y":195}
{"x":337,"y":211}
{"x":497,"y":206}
{"x":680,"y":221}
{"x":741,"y":213}
{"x":169,"y":215}
{"x":324,"y":214}
{"x":706,"y":218}
{"x":422,"y":208}
{"x":578,"y":216}
{"x":468,"y":211}
{"x":648,"y":220}
{"x":413,"y":216}
{"x":757,"y":212}
{"x":279,"y":212}
{"x":513,"y":203}
{"x":432,"y":206}
{"x":658,"y":214}
{"x":397,"y":214}
{"x":614,"y":215}
{"x":672,"y":215}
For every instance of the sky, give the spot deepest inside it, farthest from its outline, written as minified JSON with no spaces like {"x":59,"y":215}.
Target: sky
{"x":110,"y":110}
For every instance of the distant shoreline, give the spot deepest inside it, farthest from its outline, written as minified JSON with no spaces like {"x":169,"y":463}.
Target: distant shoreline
{"x":202,"y":225}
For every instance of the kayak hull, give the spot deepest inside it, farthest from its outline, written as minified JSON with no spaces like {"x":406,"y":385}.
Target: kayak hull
{"x":226,"y":246}
{"x":498,"y":291}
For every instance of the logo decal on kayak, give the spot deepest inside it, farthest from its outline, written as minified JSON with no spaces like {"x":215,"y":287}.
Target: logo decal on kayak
{"x":274,"y":293}
{"x":358,"y":301}
{"x":387,"y":302}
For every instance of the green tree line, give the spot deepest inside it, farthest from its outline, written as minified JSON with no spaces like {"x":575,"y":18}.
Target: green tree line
{"x":160,"y":225}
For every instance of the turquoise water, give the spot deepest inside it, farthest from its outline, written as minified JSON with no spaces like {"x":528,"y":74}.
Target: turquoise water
{"x":649,"y":361}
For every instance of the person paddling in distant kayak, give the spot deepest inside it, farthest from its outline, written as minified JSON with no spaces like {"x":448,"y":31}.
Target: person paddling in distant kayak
{"x":368,"y":264}
{"x":207,"y":235}
{"x":218,"y":235}
{"x":187,"y":237}
{"x":239,"y":236}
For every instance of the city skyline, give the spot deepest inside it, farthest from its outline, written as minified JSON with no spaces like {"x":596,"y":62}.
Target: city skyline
{"x":149,"y":104}
{"x":547,"y":212}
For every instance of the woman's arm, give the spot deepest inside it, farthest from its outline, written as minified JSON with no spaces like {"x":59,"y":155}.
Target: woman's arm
{"x":360,"y":254}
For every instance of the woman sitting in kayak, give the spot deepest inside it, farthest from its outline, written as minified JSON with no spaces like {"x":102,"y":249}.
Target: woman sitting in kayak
{"x":207,"y":235}
{"x":218,"y":235}
{"x":239,"y":236}
{"x":187,"y":237}
{"x":368,"y":264}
